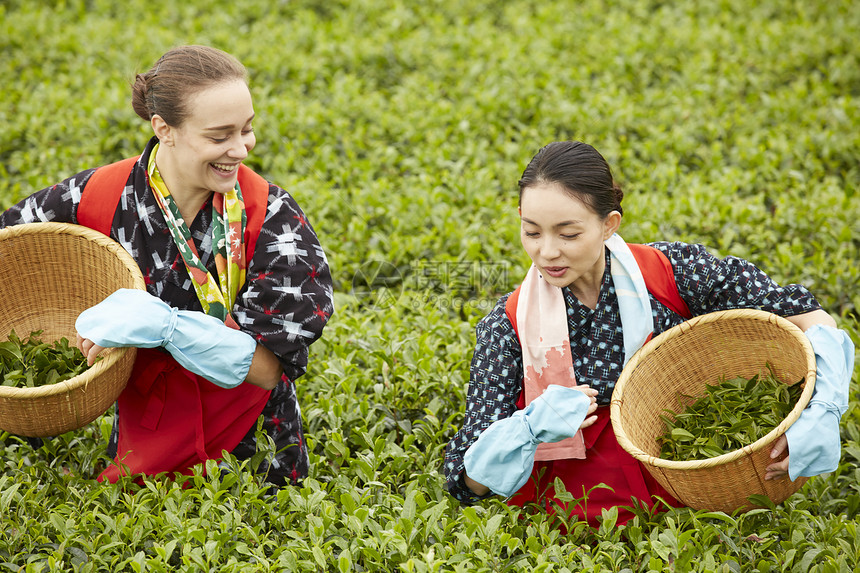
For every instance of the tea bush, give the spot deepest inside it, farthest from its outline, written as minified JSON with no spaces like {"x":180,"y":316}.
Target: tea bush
{"x":402,"y":128}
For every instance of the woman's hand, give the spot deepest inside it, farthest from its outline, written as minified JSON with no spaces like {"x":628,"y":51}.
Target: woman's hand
{"x":89,"y":349}
{"x":201,"y":343}
{"x":481,"y":490}
{"x":592,"y":408}
{"x":502,"y":458}
{"x":477,"y":488}
{"x":266,"y":369}
{"x":778,"y":469}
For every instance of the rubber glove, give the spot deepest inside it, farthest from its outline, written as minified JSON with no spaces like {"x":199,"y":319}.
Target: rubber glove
{"x":813,"y":440}
{"x":199,"y":342}
{"x":502,"y":457}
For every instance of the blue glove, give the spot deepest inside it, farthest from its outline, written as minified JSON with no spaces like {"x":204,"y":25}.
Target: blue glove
{"x":199,"y":342}
{"x":813,"y":440}
{"x":503,"y":456}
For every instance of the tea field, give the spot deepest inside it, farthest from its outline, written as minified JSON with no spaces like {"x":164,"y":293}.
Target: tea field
{"x":402,"y":129}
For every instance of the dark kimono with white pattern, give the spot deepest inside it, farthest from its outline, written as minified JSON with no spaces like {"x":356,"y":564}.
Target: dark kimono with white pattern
{"x":284,"y":304}
{"x":705,"y":283}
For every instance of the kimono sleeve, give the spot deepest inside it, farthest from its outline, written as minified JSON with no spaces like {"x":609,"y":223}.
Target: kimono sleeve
{"x":708,"y":283}
{"x":287,"y":298}
{"x":495,"y":383}
{"x":58,"y":203}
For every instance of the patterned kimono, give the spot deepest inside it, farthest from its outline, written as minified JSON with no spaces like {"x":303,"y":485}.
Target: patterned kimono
{"x":284,"y":304}
{"x":705,"y":283}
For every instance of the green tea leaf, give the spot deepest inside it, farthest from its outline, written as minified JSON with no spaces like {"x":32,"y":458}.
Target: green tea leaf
{"x":732,"y":414}
{"x":682,"y":435}
{"x":31,"y":362}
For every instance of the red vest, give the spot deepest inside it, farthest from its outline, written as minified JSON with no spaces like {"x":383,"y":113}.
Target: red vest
{"x":169,"y":418}
{"x":606,"y":462}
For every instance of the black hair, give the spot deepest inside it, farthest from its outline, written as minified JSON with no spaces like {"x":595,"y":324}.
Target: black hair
{"x":581,"y":170}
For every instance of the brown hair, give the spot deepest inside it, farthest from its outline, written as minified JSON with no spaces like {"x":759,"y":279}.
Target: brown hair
{"x":180,"y":73}
{"x":581,"y":170}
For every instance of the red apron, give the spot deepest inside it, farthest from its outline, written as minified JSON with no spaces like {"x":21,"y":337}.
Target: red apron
{"x":607,"y":462}
{"x":171,"y":419}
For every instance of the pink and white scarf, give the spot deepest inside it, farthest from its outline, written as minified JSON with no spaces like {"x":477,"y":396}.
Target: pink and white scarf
{"x":545,"y":340}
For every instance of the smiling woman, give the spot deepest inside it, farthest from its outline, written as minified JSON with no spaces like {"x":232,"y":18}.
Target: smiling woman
{"x":238,"y":286}
{"x":196,"y":157}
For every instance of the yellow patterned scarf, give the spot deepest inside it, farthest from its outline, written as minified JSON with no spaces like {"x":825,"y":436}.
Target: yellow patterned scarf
{"x":228,"y":232}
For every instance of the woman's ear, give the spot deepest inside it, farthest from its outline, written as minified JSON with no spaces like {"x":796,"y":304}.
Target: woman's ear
{"x":162,"y":130}
{"x":611,"y":224}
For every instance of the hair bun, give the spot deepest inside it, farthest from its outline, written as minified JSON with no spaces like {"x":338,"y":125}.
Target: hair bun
{"x":619,"y":196}
{"x":139,"y":92}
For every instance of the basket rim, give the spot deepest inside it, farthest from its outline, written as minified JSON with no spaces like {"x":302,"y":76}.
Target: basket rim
{"x":678,"y":330}
{"x":111,"y":355}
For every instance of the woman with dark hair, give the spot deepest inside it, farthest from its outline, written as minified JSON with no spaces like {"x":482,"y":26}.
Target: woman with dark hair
{"x":238,"y":286}
{"x":556,"y":345}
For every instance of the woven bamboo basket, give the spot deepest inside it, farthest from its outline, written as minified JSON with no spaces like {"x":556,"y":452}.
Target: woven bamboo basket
{"x":682,"y":360}
{"x":49,"y":273}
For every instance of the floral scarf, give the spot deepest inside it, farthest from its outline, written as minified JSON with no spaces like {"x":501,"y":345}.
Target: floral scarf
{"x":228,"y":222}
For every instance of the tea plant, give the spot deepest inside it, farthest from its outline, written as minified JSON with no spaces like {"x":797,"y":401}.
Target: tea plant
{"x":402,"y":128}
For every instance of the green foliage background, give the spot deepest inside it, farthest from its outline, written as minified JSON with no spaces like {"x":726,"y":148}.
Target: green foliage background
{"x":402,"y":128}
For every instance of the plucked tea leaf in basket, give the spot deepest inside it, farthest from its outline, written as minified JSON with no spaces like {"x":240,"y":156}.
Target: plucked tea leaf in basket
{"x":30,"y":363}
{"x":732,"y":414}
